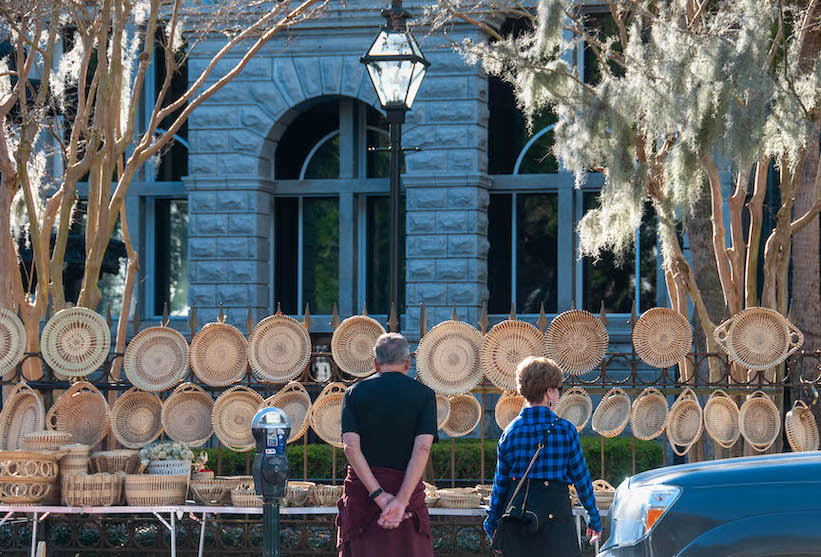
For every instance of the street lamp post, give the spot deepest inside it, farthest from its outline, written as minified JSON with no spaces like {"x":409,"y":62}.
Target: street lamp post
{"x":396,"y":66}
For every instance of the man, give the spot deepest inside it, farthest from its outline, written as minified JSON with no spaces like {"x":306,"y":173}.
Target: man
{"x":388,"y":427}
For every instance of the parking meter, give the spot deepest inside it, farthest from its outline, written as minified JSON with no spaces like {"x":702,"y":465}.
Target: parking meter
{"x":271,"y":428}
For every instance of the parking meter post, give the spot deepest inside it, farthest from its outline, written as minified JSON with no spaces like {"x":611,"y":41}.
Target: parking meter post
{"x":271,"y":428}
{"x":270,"y":528}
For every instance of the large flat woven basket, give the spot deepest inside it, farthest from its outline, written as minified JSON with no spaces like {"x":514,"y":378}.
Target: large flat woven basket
{"x":684,"y":422}
{"x":442,"y":410}
{"x":279,"y":349}
{"x":143,"y":490}
{"x":649,"y":414}
{"x":82,"y":411}
{"x":758,"y":338}
{"x":219,"y":355}
{"x":759,"y":421}
{"x":352,"y":344}
{"x":505,"y":346}
{"x":23,"y":413}
{"x":447,"y":358}
{"x":186,"y":415}
{"x":12,"y":340}
{"x":721,"y":419}
{"x":577,"y":341}
{"x":75,"y":341}
{"x":295,"y":401}
{"x":662,"y":337}
{"x":575,"y":406}
{"x":232,"y":415}
{"x":507,"y":408}
{"x":136,"y":418}
{"x":612,"y":413}
{"x":801,"y":427}
{"x":326,"y":414}
{"x":156,"y":359}
{"x":464,"y":415}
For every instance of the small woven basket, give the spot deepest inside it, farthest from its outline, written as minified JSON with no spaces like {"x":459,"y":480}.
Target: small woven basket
{"x":802,"y":430}
{"x":45,"y":440}
{"x":136,"y":418}
{"x":23,"y":413}
{"x":296,"y":495}
{"x":442,"y":410}
{"x":143,"y":490}
{"x":235,"y":481}
{"x":12,"y":340}
{"x":75,"y":341}
{"x":459,"y":498}
{"x":295,"y":401}
{"x":684,"y":422}
{"x":26,"y":477}
{"x":169,"y":468}
{"x":245,"y":497}
{"x":156,"y":359}
{"x":327,"y":495}
{"x":759,"y":421}
{"x":758,"y":338}
{"x":352,"y":344}
{"x":186,"y":415}
{"x":82,"y":411}
{"x":124,"y":461}
{"x":604,"y":494}
{"x":662,"y":337}
{"x":326,"y":414}
{"x":577,"y":341}
{"x":721,"y":419}
{"x":91,"y":490}
{"x":507,"y":408}
{"x":575,"y":406}
{"x":612,"y":413}
{"x":505,"y":346}
{"x":75,"y":459}
{"x":208,"y":492}
{"x":464,"y":415}
{"x":279,"y":348}
{"x":219,"y":355}
{"x":447,"y":358}
{"x":233,"y":412}
{"x":649,"y":414}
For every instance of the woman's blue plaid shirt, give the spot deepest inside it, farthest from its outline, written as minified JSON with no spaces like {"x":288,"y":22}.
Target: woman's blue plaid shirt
{"x":561,"y":460}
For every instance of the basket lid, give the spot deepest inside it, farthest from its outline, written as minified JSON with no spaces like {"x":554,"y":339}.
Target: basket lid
{"x":156,"y":359}
{"x":82,"y":411}
{"x":507,"y":408}
{"x":219,"y":355}
{"x":279,"y":348}
{"x":447,"y":358}
{"x":463,"y":416}
{"x":575,"y":406}
{"x":352,"y":344}
{"x":505,"y":346}
{"x":577,"y":341}
{"x":758,"y":338}
{"x":136,"y":418}
{"x":75,"y":341}
{"x":233,"y":413}
{"x":326,"y":414}
{"x":662,"y":337}
{"x":23,"y":414}
{"x":295,"y":401}
{"x":12,"y":340}
{"x":186,"y":415}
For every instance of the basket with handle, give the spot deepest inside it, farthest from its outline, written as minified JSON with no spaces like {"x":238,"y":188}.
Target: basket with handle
{"x":464,"y":415}
{"x":507,"y":408}
{"x":219,"y":354}
{"x":649,"y":414}
{"x":156,"y":359}
{"x":12,"y":340}
{"x":801,"y":428}
{"x":604,"y":494}
{"x":352,"y":344}
{"x":186,"y":415}
{"x":295,"y":401}
{"x":23,"y":413}
{"x":75,"y":341}
{"x":82,"y":411}
{"x":612,"y":413}
{"x":459,"y":498}
{"x":759,"y":421}
{"x":575,"y":406}
{"x":144,"y":490}
{"x":442,"y":410}
{"x":136,"y":418}
{"x":684,"y":422}
{"x":721,"y":419}
{"x":126,"y":461}
{"x":208,"y":492}
{"x":232,"y":415}
{"x":577,"y":341}
{"x":91,"y":490}
{"x":505,"y":346}
{"x":279,"y":348}
{"x":326,"y":414}
{"x":662,"y":337}
{"x":447,"y":358}
{"x":297,"y":495}
{"x":758,"y":338}
{"x":45,"y":440}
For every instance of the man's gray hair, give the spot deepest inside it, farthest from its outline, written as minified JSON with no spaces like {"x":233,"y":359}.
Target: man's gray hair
{"x":391,"y":348}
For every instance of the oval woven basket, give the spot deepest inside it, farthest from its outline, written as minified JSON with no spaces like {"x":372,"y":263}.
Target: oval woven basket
{"x":352,"y":344}
{"x":577,"y":341}
{"x":295,"y":401}
{"x":156,"y":359}
{"x":126,"y":461}
{"x":82,"y":411}
{"x":684,"y":422}
{"x":662,"y":337}
{"x":23,"y":413}
{"x":575,"y":406}
{"x":219,"y":355}
{"x":612,"y":413}
{"x":504,"y":347}
{"x":232,"y":415}
{"x":279,"y":348}
{"x":136,"y":418}
{"x":459,"y":498}
{"x":447,"y":358}
{"x":442,"y":410}
{"x":758,"y":338}
{"x":464,"y":415}
{"x":208,"y":492}
{"x":649,"y":414}
{"x":326,"y":414}
{"x":721,"y":419}
{"x":12,"y":340}
{"x":759,"y":421}
{"x":507,"y":408}
{"x":75,"y":341}
{"x":186,"y":415}
{"x":801,"y":427}
{"x":142,"y":490}
{"x":45,"y":440}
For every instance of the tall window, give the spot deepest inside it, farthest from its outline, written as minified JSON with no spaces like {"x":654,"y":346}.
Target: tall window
{"x":377,"y":240}
{"x":166,"y":258}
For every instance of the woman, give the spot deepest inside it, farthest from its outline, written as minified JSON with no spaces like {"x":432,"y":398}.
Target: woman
{"x":539,"y":520}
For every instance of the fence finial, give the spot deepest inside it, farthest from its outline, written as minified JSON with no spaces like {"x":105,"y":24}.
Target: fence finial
{"x":135,"y":321}
{"x":393,"y":319}
{"x":335,"y":318}
{"x":423,"y":320}
{"x":279,"y":308}
{"x":364,"y":308}
{"x":484,"y":323}
{"x":573,"y":305}
{"x":192,"y":320}
{"x":166,"y":315}
{"x":108,"y":320}
{"x":512,"y":316}
{"x":542,"y":322}
{"x":221,"y":315}
{"x":634,"y":318}
{"x":306,"y":317}
{"x":453,"y":316}
{"x":249,"y":321}
{"x":603,"y":313}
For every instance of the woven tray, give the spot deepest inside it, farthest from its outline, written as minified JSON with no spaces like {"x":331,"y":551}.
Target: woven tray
{"x":232,"y":415}
{"x":577,"y":341}
{"x":295,"y":401}
{"x":759,"y":421}
{"x":721,"y":419}
{"x":26,"y":477}
{"x":649,"y":414}
{"x":612,"y":413}
{"x":758,"y":338}
{"x":459,"y":498}
{"x":801,"y":427}
{"x":82,"y":411}
{"x":136,"y":418}
{"x":12,"y":340}
{"x":504,"y":347}
{"x":23,"y":413}
{"x":143,"y":490}
{"x":662,"y":337}
{"x":120,"y":460}
{"x":326,"y":414}
{"x":327,"y":495}
{"x":186,"y":415}
{"x":279,"y":348}
{"x":245,"y":497}
{"x":45,"y":440}
{"x":684,"y":422}
{"x":156,"y":359}
{"x":447,"y":358}
{"x":464,"y":415}
{"x":575,"y":406}
{"x":507,"y":408}
{"x":208,"y":492}
{"x":91,"y":490}
{"x":219,"y":355}
{"x":75,"y":341}
{"x":352,"y":344}
{"x":442,"y":410}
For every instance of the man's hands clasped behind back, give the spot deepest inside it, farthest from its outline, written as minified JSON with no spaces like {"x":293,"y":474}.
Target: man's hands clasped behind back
{"x":393,"y":511}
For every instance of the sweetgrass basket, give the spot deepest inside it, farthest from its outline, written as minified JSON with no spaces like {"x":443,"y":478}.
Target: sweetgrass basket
{"x":136,"y":418}
{"x":442,"y":410}
{"x":232,"y":415}
{"x":684,"y":422}
{"x":296,"y":495}
{"x":326,"y":414}
{"x":459,"y":498}
{"x":604,"y":494}
{"x":219,"y":354}
{"x":75,"y":341}
{"x":169,"y":468}
{"x":649,"y":414}
{"x":144,"y":490}
{"x":352,"y":344}
{"x":801,"y":427}
{"x":126,"y":461}
{"x":26,"y":477}
{"x":310,"y":486}
{"x":721,"y":419}
{"x":759,"y":421}
{"x":45,"y":440}
{"x":575,"y":406}
{"x":577,"y":341}
{"x":75,"y":459}
{"x":295,"y":401}
{"x":612,"y":413}
{"x":447,"y":358}
{"x":662,"y":337}
{"x":245,"y":497}
{"x":279,"y":348}
{"x":758,"y":338}
{"x":327,"y":495}
{"x":156,"y":359}
{"x":464,"y":415}
{"x":12,"y":340}
{"x":505,"y":346}
{"x":91,"y":490}
{"x":82,"y":411}
{"x":23,"y":413}
{"x":208,"y":492}
{"x":507,"y":408}
{"x":186,"y":415}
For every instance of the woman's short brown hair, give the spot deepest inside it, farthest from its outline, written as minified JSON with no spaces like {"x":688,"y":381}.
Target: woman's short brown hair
{"x":535,"y":375}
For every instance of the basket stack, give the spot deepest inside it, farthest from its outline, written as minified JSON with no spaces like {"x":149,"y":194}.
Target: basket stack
{"x":26,"y":477}
{"x":91,"y":490}
{"x":243,"y":495}
{"x":327,"y":495}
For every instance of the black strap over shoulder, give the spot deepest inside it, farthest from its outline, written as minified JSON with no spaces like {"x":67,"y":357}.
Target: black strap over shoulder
{"x":539,"y":448}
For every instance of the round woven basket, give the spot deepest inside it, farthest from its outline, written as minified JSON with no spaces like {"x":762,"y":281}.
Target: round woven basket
{"x":684,"y":422}
{"x":327,"y":495}
{"x":662,"y":337}
{"x":464,"y":415}
{"x":26,"y":477}
{"x":208,"y":492}
{"x":232,"y":415}
{"x":802,"y":430}
{"x":82,"y":411}
{"x":604,"y":494}
{"x":75,"y":341}
{"x":142,"y":490}
{"x":186,"y":415}
{"x":442,"y":410}
{"x":758,"y":338}
{"x":575,"y":406}
{"x":136,"y":418}
{"x":119,"y":460}
{"x":45,"y":440}
{"x":12,"y":340}
{"x":326,"y":414}
{"x":245,"y":497}
{"x":156,"y":359}
{"x":507,"y":408}
{"x":612,"y":413}
{"x":577,"y":341}
{"x":649,"y":414}
{"x":295,"y":494}
{"x":759,"y":421}
{"x":447,"y":358}
{"x":75,"y":459}
{"x":352,"y":344}
{"x":721,"y":419}
{"x":219,"y":355}
{"x":504,"y":347}
{"x":91,"y":490}
{"x":295,"y":401}
{"x":23,"y":413}
{"x":459,"y":498}
{"x":279,"y":348}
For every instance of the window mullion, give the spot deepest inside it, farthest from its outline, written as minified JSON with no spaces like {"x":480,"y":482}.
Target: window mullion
{"x":513,"y":246}
{"x":300,"y":244}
